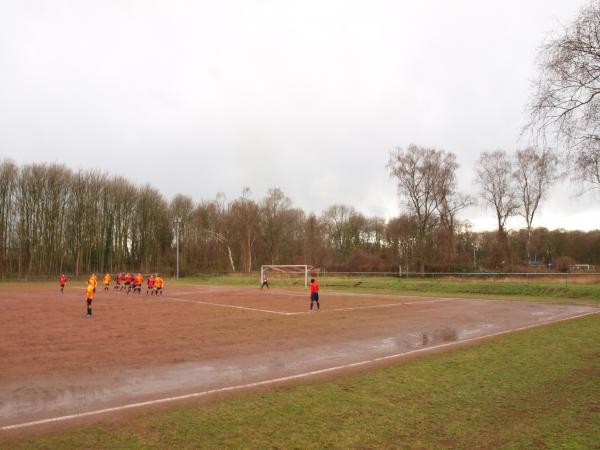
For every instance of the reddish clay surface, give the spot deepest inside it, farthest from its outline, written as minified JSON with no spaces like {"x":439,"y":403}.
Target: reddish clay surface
{"x":54,"y":361}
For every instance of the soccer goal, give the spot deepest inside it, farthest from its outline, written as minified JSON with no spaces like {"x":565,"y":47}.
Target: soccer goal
{"x":288,"y":274}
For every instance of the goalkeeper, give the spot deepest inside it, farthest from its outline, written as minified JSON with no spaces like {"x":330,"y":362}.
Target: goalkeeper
{"x":265,"y":282}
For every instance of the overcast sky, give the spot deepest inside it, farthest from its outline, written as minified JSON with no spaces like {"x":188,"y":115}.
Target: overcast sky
{"x":198,"y":97}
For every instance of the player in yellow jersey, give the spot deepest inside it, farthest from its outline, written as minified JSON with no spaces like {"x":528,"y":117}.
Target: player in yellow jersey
{"x":158,"y":285}
{"x":106,"y":281}
{"x":89,"y":296}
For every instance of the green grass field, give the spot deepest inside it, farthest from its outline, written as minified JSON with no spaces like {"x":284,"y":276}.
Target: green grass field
{"x":507,"y":290}
{"x":533,"y":389}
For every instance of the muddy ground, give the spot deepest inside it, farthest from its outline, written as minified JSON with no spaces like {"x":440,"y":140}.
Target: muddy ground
{"x":54,"y":361}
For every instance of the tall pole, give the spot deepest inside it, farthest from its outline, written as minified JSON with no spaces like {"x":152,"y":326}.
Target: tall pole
{"x":177,"y":221}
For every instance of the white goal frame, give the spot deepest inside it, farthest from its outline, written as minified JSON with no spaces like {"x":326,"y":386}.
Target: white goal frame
{"x":281,"y":269}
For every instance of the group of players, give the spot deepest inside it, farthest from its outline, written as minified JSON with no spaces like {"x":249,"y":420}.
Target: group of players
{"x":123,"y":282}
{"x":133,"y":283}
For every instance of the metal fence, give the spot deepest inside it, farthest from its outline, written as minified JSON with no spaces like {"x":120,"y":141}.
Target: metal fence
{"x":520,"y":277}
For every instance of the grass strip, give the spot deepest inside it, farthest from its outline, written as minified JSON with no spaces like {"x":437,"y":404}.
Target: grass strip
{"x":534,"y":389}
{"x":507,"y":290}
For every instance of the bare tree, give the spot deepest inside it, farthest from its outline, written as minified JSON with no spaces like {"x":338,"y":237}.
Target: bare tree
{"x":244,"y":221}
{"x":182,"y":207}
{"x":534,"y":172}
{"x":424,"y":177}
{"x":494,"y":175}
{"x":315,"y":248}
{"x":587,"y":165}
{"x":272,"y":222}
{"x":449,"y":204}
{"x":216,"y":225}
{"x":566,"y":104}
{"x":8,"y":181}
{"x":342,"y":228}
{"x":401,"y":234}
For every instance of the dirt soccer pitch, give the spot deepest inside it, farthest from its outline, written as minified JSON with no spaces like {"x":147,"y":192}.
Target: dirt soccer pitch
{"x":140,"y":351}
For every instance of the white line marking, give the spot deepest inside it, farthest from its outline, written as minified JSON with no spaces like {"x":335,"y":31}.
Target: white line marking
{"x":229,"y":306}
{"x":281,"y":379}
{"x":387,"y":305}
{"x":283,"y":313}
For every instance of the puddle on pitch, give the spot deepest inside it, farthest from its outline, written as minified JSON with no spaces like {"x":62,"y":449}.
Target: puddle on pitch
{"x":439,"y":336}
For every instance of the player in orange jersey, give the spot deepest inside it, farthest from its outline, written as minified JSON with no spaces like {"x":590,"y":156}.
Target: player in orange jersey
{"x":158,"y":285}
{"x":137,"y":283}
{"x":106,"y":281}
{"x":93,"y":281}
{"x":89,"y":296}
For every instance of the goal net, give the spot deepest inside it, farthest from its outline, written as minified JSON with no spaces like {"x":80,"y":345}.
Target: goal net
{"x":289,"y":275}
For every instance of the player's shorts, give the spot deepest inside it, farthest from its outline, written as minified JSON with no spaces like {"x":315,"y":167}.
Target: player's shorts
{"x":314,"y":297}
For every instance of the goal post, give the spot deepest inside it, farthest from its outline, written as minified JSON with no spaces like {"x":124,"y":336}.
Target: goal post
{"x":287,"y":270}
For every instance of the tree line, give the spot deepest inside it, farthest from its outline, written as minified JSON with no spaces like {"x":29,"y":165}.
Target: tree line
{"x":55,"y":220}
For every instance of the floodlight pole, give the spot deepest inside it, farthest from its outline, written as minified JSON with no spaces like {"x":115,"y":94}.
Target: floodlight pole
{"x":177,"y":221}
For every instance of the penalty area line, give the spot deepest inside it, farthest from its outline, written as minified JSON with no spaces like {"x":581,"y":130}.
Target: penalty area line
{"x":282,"y":379}
{"x":299,"y":313}
{"x":385,"y":305}
{"x":200,"y":302}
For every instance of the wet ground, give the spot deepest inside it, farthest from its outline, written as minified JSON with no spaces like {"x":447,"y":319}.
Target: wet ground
{"x":55,"y":362}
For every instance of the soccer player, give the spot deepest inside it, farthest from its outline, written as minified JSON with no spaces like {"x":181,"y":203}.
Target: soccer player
{"x":63,"y":283}
{"x":118,"y":281}
{"x":150,"y":288}
{"x":158,"y":284}
{"x":93,"y":281}
{"x":265,"y":281}
{"x":137,"y":283}
{"x":314,"y":294}
{"x":106,"y":281}
{"x":89,"y":296}
{"x":127,"y":282}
